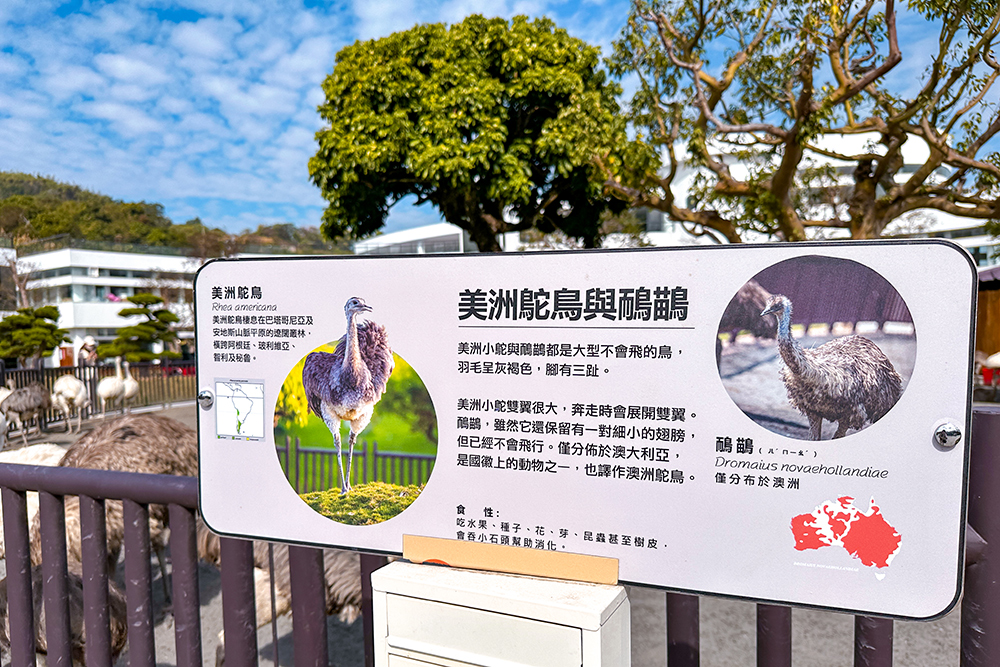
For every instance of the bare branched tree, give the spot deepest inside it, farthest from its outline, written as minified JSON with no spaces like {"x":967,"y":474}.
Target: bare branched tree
{"x":793,"y":118}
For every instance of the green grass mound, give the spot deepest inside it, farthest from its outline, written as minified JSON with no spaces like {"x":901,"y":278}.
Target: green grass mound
{"x":365,"y":504}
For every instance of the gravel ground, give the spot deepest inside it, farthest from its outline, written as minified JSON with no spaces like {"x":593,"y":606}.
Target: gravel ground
{"x":728,"y":627}
{"x":750,"y":371}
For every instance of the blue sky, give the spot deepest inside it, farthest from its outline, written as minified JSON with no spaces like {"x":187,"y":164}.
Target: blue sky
{"x":205,"y":106}
{"x":209,"y":106}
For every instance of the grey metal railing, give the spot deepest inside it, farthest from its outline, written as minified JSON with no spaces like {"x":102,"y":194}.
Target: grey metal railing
{"x":873,"y":636}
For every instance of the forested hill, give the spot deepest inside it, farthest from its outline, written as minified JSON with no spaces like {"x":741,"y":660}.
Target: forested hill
{"x":35,"y":207}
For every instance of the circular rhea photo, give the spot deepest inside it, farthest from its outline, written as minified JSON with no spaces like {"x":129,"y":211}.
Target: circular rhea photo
{"x":354,"y":427}
{"x":816,"y":348}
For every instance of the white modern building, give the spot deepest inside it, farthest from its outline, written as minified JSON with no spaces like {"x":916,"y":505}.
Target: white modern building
{"x":89,"y":283}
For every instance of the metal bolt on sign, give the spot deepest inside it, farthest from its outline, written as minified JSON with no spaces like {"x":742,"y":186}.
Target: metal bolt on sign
{"x":205,"y":399}
{"x":947,"y":435}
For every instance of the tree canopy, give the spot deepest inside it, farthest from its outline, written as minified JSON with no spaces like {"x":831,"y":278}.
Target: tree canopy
{"x":473,"y":118}
{"x":134,"y":341}
{"x":36,"y":207}
{"x":30,"y":334}
{"x":793,"y":118}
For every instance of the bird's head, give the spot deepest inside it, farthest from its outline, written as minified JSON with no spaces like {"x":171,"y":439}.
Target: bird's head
{"x":776,"y":304}
{"x":356,"y":305}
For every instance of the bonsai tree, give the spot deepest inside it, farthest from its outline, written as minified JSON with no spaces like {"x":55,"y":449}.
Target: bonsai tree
{"x":135,"y":341}
{"x":31,"y":334}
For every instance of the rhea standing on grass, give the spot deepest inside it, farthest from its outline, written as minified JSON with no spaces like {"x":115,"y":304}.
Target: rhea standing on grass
{"x":847,"y":380}
{"x":346,"y":385}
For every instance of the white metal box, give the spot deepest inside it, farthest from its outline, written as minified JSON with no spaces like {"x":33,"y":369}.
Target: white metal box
{"x":428,"y":615}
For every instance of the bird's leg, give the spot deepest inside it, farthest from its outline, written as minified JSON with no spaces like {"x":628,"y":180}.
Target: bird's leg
{"x":815,"y":427}
{"x":333,"y":424}
{"x":350,"y":456}
{"x":23,"y":427}
{"x":340,"y":461}
{"x":841,"y":430}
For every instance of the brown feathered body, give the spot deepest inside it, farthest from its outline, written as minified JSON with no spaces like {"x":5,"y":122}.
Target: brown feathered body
{"x":117,"y":616}
{"x":349,"y":390}
{"x":346,"y":385}
{"x":341,"y":573}
{"x":131,"y":443}
{"x":847,"y":380}
{"x":744,"y":313}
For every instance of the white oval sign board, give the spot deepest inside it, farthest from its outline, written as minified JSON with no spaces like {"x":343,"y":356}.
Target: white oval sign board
{"x":756,"y":421}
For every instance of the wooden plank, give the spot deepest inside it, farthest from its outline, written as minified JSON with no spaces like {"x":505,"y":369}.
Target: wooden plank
{"x":513,"y":560}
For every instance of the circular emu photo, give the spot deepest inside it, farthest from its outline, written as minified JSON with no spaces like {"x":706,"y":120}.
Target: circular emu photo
{"x":354,"y":426}
{"x":816,"y":348}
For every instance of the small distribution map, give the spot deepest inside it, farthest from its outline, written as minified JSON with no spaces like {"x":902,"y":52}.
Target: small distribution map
{"x":239,"y":411}
{"x":866,"y":536}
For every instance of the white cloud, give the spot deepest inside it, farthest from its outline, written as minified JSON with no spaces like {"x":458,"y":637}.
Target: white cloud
{"x":378,"y":18}
{"x":63,"y":82}
{"x":124,"y":119}
{"x":208,"y":38}
{"x":12,"y":65}
{"x":129,"y":68}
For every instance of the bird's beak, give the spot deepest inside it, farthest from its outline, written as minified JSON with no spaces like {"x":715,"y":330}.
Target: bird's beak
{"x":365,"y":307}
{"x":768,"y":311}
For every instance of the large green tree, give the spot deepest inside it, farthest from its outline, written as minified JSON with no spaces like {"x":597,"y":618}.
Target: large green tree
{"x":30,"y":334}
{"x":473,"y":118}
{"x":792,"y":118}
{"x":134,"y":342}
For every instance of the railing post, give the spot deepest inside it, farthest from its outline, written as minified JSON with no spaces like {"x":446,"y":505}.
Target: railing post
{"x":683,"y":631}
{"x":55,"y":586}
{"x":774,"y":636}
{"x":369,"y":563}
{"x":238,"y":604}
{"x":19,"y":597}
{"x":308,"y":606}
{"x":138,"y":585}
{"x":981,"y":601}
{"x":872,"y":642}
{"x":95,"y":581}
{"x":184,"y":580}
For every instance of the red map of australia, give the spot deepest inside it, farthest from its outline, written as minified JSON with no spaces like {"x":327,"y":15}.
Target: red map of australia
{"x":865,"y":535}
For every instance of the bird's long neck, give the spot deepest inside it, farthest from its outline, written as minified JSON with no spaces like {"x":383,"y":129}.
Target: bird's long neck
{"x":118,"y":368}
{"x":352,"y":355}
{"x":791,"y":351}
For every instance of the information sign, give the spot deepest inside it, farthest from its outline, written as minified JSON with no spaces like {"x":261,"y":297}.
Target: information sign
{"x":773,"y":422}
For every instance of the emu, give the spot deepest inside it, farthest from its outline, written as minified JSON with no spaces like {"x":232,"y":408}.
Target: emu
{"x":23,"y":404}
{"x":130,"y":388}
{"x":111,"y":388}
{"x":743,"y":314}
{"x":848,"y":380}
{"x":70,"y":394}
{"x":35,"y":455}
{"x":346,"y":385}
{"x":117,"y":615}
{"x":130,"y":443}
{"x":341,"y":574}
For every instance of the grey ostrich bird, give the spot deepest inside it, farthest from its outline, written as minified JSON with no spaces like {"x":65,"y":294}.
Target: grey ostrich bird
{"x":346,"y":385}
{"x":24,"y":403}
{"x":847,"y":380}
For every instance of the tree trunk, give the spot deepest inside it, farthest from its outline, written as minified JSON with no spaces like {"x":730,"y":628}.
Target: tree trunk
{"x":861,"y":205}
